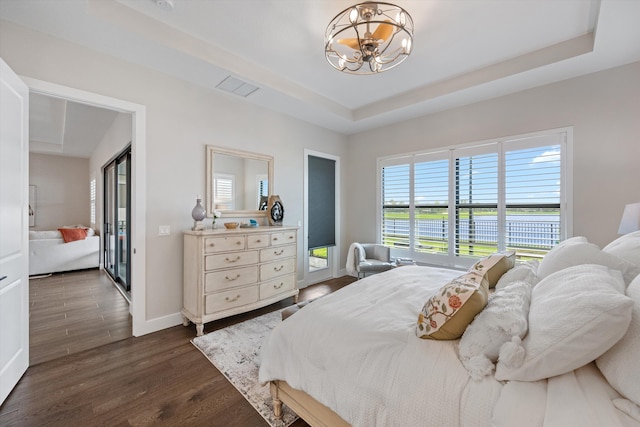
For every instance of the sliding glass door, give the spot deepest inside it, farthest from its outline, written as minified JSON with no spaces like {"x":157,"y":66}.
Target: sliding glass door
{"x":117,"y":215}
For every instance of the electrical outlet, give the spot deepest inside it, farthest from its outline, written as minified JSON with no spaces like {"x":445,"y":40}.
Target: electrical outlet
{"x":164,"y":230}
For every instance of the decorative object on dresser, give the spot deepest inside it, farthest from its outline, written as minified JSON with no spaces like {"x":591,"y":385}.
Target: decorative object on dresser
{"x":198,"y":214}
{"x":275,"y":210}
{"x":227,"y":272}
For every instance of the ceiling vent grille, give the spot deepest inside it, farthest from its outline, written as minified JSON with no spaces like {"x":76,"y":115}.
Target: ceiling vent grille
{"x":237,"y":87}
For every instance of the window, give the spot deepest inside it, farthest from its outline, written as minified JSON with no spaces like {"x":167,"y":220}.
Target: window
{"x":92,"y":202}
{"x":451,"y":207}
{"x":223,"y":189}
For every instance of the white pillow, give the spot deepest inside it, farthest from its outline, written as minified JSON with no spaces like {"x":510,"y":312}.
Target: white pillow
{"x":575,"y":316}
{"x":504,"y":317}
{"x":626,"y":247}
{"x":45,"y":234}
{"x":569,"y":255}
{"x":620,"y":365}
{"x":525,"y":272}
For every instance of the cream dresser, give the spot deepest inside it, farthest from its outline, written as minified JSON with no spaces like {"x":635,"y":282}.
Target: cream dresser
{"x":227,"y":272}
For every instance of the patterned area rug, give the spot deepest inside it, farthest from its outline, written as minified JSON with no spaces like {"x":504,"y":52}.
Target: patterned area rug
{"x":235,"y":352}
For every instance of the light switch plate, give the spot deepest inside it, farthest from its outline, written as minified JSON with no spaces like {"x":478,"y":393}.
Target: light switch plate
{"x":164,"y":230}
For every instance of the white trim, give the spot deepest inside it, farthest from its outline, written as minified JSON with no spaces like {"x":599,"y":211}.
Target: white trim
{"x":141,"y":325}
{"x":335,"y":251}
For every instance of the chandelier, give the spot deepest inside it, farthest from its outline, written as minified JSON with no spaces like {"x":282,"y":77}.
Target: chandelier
{"x":369,"y":38}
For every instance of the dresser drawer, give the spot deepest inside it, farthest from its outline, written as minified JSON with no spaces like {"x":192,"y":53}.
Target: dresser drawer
{"x":224,"y":279}
{"x":231,"y":259}
{"x":229,"y":299}
{"x":277,"y":252}
{"x":255,"y":241}
{"x":277,"y":268}
{"x":277,"y":286}
{"x":283,"y":238}
{"x":223,"y":244}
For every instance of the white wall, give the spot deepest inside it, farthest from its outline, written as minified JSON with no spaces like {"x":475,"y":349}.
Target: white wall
{"x":181,"y":119}
{"x":603,"y":108}
{"x":62,"y":188}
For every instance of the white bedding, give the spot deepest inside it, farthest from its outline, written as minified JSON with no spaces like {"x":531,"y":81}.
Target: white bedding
{"x":357,"y":352}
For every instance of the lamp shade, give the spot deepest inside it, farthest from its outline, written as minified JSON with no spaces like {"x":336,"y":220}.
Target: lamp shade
{"x":630,"y":219}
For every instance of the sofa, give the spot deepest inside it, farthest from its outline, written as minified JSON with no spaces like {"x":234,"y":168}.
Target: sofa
{"x":49,"y":253}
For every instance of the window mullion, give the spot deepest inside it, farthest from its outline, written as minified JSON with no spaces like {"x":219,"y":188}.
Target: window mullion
{"x":502,"y":211}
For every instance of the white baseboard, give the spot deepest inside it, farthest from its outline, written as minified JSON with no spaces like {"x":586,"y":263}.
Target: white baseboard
{"x":157,"y":324}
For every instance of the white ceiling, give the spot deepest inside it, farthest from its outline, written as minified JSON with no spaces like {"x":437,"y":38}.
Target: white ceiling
{"x":464,"y":51}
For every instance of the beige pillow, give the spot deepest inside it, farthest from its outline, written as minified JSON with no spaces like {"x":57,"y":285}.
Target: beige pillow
{"x":446,"y":315}
{"x":494,"y":266}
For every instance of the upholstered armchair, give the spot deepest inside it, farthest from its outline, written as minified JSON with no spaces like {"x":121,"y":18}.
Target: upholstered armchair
{"x":371,"y":258}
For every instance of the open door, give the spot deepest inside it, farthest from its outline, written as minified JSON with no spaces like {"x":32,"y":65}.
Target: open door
{"x":14,"y":223}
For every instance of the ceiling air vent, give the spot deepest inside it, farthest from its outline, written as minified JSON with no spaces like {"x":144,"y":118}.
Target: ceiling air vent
{"x":237,"y":87}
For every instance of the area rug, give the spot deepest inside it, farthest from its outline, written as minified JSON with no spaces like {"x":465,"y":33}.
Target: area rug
{"x":235,"y":352}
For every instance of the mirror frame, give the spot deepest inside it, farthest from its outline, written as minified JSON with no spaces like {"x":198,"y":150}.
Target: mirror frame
{"x":211,"y":152}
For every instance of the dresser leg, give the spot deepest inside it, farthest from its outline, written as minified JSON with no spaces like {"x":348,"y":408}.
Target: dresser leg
{"x":199,"y":329}
{"x":185,"y":321}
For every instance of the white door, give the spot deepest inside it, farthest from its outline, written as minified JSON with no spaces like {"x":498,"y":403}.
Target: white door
{"x":14,"y":220}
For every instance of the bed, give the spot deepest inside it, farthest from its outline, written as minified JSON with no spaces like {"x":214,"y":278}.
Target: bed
{"x":49,"y":253}
{"x":354,"y":357}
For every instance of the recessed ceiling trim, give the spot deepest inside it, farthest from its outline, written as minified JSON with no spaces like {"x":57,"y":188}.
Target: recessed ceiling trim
{"x":545,"y":56}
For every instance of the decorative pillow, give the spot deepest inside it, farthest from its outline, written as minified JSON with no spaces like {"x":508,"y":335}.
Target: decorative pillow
{"x":575,"y":316}
{"x":90,"y":231}
{"x":447,"y":313}
{"x":525,"y":272}
{"x":619,"y":365}
{"x":504,"y":317}
{"x":569,"y":255}
{"x":73,"y":234}
{"x":626,"y":247}
{"x":494,"y":266}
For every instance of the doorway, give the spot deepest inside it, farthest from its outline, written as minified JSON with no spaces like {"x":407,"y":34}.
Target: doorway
{"x":322,"y":207}
{"x":141,"y":325}
{"x":117,"y":221}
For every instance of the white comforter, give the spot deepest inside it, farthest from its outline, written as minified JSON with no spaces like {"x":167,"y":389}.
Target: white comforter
{"x":356,"y":352}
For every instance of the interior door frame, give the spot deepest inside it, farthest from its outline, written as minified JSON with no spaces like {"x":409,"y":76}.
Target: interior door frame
{"x":138,"y":188}
{"x":333,"y":252}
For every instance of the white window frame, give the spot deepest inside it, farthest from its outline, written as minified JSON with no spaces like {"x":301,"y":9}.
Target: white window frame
{"x":217,"y":198}
{"x":501,"y":144}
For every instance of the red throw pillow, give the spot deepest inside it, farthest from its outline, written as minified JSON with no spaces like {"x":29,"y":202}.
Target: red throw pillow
{"x":73,"y":234}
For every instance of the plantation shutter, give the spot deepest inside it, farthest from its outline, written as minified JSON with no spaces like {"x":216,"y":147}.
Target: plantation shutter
{"x":223,"y":191}
{"x":476,"y":196}
{"x":431,"y":203}
{"x":533,"y":193}
{"x":322,"y":202}
{"x":396,"y":197}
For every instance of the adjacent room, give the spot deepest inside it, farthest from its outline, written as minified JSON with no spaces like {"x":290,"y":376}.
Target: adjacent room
{"x":365,"y":202}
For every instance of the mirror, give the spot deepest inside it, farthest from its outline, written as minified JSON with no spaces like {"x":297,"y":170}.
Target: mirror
{"x":238,"y":182}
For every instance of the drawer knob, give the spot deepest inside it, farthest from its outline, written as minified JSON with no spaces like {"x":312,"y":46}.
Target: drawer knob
{"x":278,"y":286}
{"x":212,"y":244}
{"x":290,"y":237}
{"x":258,"y":241}
{"x":275,"y":238}
{"x":238,"y":242}
{"x":278,"y":252}
{"x":227,"y":299}
{"x":233,"y":260}
{"x":278,"y":268}
{"x":232,"y":278}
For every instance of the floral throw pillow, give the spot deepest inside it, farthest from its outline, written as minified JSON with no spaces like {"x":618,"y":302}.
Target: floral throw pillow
{"x":446,"y":315}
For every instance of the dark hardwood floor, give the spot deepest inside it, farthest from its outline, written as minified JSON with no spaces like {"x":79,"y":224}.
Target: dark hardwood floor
{"x":157,"y":379}
{"x":72,"y":312}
